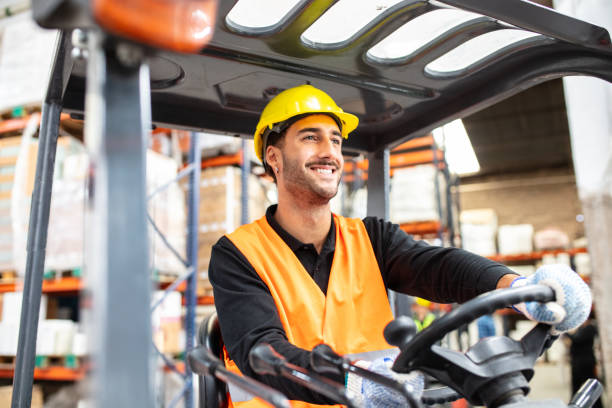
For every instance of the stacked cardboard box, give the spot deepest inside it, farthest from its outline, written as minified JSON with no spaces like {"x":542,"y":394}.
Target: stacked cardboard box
{"x":9,"y":321}
{"x":515,"y":239}
{"x":67,"y":213}
{"x":11,"y":195}
{"x":17,"y":171}
{"x":550,"y":238}
{"x":168,"y":334}
{"x":167,"y":209}
{"x":478,"y":231}
{"x":413,"y":195}
{"x":221,"y":210}
{"x":6,"y":394}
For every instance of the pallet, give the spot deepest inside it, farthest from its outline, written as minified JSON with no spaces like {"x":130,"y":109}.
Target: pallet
{"x":68,"y":361}
{"x":64,"y":273}
{"x":7,"y":361}
{"x":20,"y":111}
{"x":8,"y":276}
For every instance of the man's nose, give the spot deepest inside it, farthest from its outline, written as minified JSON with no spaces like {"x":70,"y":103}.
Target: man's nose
{"x":329,"y":148}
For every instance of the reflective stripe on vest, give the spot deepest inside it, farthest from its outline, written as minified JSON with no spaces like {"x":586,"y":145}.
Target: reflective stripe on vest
{"x":353,"y":314}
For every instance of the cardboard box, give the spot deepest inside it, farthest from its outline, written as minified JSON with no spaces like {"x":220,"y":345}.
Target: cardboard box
{"x":479,"y":231}
{"x":169,"y":212}
{"x":11,"y":307}
{"x":413,"y":196}
{"x":166,"y":322}
{"x":220,"y":210}
{"x":6,"y":394}
{"x":550,"y":238}
{"x":515,"y":239}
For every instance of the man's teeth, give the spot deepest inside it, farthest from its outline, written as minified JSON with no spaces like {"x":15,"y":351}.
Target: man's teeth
{"x":324,"y":171}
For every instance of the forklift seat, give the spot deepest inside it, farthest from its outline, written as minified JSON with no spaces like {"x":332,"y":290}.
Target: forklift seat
{"x":212,"y":392}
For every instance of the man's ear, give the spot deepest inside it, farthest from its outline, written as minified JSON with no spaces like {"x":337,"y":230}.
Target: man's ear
{"x":272,"y":156}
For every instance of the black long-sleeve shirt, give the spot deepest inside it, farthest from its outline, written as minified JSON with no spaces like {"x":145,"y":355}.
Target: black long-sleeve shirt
{"x":248,"y":315}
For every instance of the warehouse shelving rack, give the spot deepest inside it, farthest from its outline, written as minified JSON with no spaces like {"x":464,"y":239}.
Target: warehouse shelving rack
{"x":125,"y":92}
{"x":420,"y":150}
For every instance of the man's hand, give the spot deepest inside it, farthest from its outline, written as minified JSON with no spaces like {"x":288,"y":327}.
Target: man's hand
{"x":573,"y":298}
{"x":378,"y":396}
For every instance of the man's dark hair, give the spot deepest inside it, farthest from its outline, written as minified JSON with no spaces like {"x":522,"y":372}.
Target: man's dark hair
{"x":273,"y":139}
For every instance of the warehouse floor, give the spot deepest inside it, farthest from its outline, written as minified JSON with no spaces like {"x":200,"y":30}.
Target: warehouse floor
{"x":551,"y":380}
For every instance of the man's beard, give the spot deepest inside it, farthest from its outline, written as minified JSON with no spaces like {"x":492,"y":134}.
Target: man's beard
{"x":304,"y":185}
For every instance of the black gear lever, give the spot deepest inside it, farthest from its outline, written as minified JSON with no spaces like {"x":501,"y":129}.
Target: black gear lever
{"x":400,"y":331}
{"x":203,"y":362}
{"x":265,"y":360}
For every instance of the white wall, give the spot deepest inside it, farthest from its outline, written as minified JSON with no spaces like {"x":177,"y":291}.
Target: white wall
{"x":589,"y":108}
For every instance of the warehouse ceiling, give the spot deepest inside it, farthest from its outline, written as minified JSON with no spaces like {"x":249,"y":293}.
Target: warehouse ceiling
{"x":526,"y":132}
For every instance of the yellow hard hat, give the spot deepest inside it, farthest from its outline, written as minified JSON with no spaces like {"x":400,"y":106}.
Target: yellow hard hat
{"x":300,"y":100}
{"x":422,"y":302}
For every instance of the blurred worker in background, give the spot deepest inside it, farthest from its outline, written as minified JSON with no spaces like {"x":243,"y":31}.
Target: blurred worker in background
{"x":486,"y":326}
{"x":422,"y":314}
{"x":301,"y":276}
{"x":582,"y":354}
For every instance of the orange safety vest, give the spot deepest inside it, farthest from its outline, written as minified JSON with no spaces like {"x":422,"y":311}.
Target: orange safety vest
{"x":350,"y":318}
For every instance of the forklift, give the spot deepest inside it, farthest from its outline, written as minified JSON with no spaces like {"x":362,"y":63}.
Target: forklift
{"x":404,"y":67}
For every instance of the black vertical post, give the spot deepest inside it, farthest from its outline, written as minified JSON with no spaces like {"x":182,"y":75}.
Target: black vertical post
{"x":23,"y":377}
{"x":192,"y":257}
{"x":245,"y":167}
{"x":436,"y":164}
{"x":378,"y":206}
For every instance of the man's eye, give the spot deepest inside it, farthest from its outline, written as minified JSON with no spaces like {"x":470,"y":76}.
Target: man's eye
{"x":309,"y":137}
{"x":337,"y":141}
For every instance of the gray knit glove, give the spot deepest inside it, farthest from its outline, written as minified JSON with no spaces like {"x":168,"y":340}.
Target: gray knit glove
{"x":573,"y":303}
{"x":375,"y":395}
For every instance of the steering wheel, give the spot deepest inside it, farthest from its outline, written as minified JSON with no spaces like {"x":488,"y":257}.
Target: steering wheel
{"x":493,"y":372}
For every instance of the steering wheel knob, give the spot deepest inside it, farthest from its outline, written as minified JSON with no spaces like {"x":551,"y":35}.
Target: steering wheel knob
{"x":400,"y":331}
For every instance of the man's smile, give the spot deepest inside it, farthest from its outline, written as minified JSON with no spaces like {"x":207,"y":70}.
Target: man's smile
{"x":324,"y":169}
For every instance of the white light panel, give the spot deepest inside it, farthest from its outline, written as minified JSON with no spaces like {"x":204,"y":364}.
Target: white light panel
{"x":459,"y":152}
{"x":260,"y":16}
{"x":416,"y":34}
{"x":476,"y":50}
{"x":345,"y":20}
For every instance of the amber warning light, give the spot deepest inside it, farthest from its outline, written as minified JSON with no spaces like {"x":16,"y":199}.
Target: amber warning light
{"x":179,"y":25}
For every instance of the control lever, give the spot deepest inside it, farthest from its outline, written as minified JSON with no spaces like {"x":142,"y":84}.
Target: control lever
{"x":265,"y":360}
{"x":587,"y":395}
{"x":400,"y":331}
{"x":203,"y":362}
{"x":324,"y":359}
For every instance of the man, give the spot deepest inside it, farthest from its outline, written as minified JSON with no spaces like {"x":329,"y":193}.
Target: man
{"x":422,"y":315}
{"x":301,"y":276}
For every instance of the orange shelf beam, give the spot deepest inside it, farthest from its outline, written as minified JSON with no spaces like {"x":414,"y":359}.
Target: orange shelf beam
{"x":201,"y":300}
{"x":50,"y":373}
{"x":63,"y":285}
{"x":206,"y":300}
{"x":421,"y":228}
{"x":414,"y":158}
{"x":534,"y":256}
{"x":417,"y":143}
{"x":399,"y":160}
{"x":15,"y":124}
{"x":226,"y":160}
